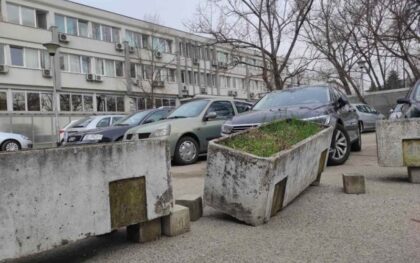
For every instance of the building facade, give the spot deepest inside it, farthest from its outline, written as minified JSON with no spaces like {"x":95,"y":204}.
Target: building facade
{"x":107,"y":63}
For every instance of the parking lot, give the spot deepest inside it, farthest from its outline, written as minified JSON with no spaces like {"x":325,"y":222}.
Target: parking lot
{"x":322,"y":225}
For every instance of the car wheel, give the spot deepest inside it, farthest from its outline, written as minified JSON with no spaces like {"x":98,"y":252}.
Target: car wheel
{"x":186,"y":151}
{"x":10,"y":146}
{"x":340,"y":146}
{"x":357,"y":145}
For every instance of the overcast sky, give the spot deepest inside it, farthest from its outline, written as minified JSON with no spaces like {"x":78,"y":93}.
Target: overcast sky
{"x":172,"y":13}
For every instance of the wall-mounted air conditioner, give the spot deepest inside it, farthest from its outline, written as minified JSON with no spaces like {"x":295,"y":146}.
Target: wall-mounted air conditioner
{"x":46,"y":73}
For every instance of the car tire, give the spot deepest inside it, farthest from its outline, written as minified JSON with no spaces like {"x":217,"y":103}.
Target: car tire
{"x":340,"y":146}
{"x":186,"y":151}
{"x":10,"y":146}
{"x":357,"y":145}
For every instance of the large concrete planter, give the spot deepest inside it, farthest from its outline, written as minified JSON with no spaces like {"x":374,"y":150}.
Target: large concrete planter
{"x":51,"y":197}
{"x":252,"y":188}
{"x":399,"y":145}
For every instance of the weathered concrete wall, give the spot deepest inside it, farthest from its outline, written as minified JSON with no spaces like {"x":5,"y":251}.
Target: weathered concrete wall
{"x":51,"y":197}
{"x":384,"y":100}
{"x":389,"y":138}
{"x":243,"y":185}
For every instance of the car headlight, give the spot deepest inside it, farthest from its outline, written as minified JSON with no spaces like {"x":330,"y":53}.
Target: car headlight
{"x":227,"y":129}
{"x":25,"y":138}
{"x":93,"y":137}
{"x":161,"y":132}
{"x":322,"y":119}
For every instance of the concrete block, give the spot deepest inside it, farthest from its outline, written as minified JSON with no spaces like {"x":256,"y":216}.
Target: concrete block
{"x":145,"y":232}
{"x":178,"y":222}
{"x":354,"y":184}
{"x":414,"y":175}
{"x":194,"y":204}
{"x":252,"y":188}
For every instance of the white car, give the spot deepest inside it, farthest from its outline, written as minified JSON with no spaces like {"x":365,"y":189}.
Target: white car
{"x":12,"y":142}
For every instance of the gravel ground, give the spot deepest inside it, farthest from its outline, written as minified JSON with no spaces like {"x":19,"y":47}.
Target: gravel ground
{"x":321,"y":225}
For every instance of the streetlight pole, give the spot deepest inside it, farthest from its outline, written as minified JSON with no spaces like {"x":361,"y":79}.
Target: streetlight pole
{"x":52,"y":48}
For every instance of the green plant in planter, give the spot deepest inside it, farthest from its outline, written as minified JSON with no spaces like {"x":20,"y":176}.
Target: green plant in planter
{"x":272,"y":138}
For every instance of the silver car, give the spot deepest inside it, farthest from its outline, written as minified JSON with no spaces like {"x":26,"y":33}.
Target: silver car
{"x":12,"y":142}
{"x":367,"y":117}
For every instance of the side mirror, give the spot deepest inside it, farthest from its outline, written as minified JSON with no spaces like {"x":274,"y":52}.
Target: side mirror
{"x":404,"y":101}
{"x":248,"y":108}
{"x":210,"y":116}
{"x":342,"y":101}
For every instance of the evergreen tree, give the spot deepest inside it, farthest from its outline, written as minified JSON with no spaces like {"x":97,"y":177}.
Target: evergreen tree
{"x":393,"y":81}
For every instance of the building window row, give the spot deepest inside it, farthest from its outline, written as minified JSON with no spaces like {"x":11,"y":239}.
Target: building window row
{"x":34,"y":101}
{"x":26,"y":16}
{"x":28,"y":57}
{"x":146,"y":72}
{"x":147,"y":103}
{"x":72,"y":26}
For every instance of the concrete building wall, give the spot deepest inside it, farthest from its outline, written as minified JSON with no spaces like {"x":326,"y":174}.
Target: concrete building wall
{"x":52,"y":197}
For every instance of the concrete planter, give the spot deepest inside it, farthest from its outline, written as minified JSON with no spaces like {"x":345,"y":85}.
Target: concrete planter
{"x":52,"y":197}
{"x":252,"y":188}
{"x":399,"y":145}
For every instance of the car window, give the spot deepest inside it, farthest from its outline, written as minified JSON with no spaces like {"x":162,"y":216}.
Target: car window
{"x":190,"y":109}
{"x":223,"y":109}
{"x":103,"y":123}
{"x":115,"y":119}
{"x":417,"y":93}
{"x":242,"y":107}
{"x":82,"y":123}
{"x":156,"y":116}
{"x":360,"y":108}
{"x":334,"y":95}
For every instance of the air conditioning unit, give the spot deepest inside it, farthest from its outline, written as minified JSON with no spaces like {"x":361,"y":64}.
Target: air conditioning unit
{"x":158,"y":54}
{"x":185,"y":91}
{"x":4,"y":69}
{"x":203,"y":90}
{"x":232,"y":93}
{"x":90,"y":77}
{"x":119,"y":47}
{"x":196,"y":61}
{"x":223,"y":65}
{"x":46,"y":73}
{"x":98,"y":78}
{"x":158,"y":84}
{"x":131,"y":50}
{"x":63,"y":38}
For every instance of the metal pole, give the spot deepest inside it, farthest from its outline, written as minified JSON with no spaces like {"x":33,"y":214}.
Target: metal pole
{"x":55,"y":100}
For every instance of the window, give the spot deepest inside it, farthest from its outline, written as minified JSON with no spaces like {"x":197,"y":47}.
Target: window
{"x":100,"y":103}
{"x":71,"y":26}
{"x":64,"y":102}
{"x":34,"y":103}
{"x":88,"y":103}
{"x":141,"y":104}
{"x":74,"y":63}
{"x":46,"y":102}
{"x":19,"y":101}
{"x":2,"y":60}
{"x":99,"y":68}
{"x":83,"y":28}
{"x":111,"y":104}
{"x":133,"y":72}
{"x":76,"y":103}
{"x":222,"y":57}
{"x":28,"y":16}
{"x":85,"y":64}
{"x":31,"y":58}
{"x":16,"y":54}
{"x":64,"y":62}
{"x":13,"y":13}
{"x":182,"y":76}
{"x":45,"y":59}
{"x":60,"y":23}
{"x":162,"y":45}
{"x":171,"y":75}
{"x":105,"y":33}
{"x":3,"y":101}
{"x":165,"y":102}
{"x":104,"y":122}
{"x":41,"y":19}
{"x":119,"y":68}
{"x":147,"y":72}
{"x":109,"y":68}
{"x":223,"y":109}
{"x":120,"y":104}
{"x":242,"y":107}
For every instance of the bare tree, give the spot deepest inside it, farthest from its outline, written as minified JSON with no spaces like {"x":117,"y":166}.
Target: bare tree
{"x":269,"y":27}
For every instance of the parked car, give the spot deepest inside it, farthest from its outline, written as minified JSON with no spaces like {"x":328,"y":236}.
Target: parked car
{"x":117,"y":130}
{"x":411,"y":103}
{"x":91,"y":123}
{"x":192,"y":126}
{"x":323,"y":104}
{"x":396,"y":112}
{"x":367,"y":117}
{"x":12,"y":142}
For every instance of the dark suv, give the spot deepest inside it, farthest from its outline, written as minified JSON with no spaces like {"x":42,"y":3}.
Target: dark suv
{"x":411,"y":104}
{"x":323,"y":104}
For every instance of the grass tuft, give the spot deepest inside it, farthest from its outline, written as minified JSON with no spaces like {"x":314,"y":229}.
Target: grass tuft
{"x":273,"y":138}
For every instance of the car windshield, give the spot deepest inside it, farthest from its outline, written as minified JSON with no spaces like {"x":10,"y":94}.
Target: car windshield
{"x":82,"y":123}
{"x":292,"y":97}
{"x":133,"y":119}
{"x":190,"y":109}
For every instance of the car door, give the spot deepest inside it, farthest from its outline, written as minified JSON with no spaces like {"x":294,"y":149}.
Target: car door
{"x":349,"y":117}
{"x":211,"y":129}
